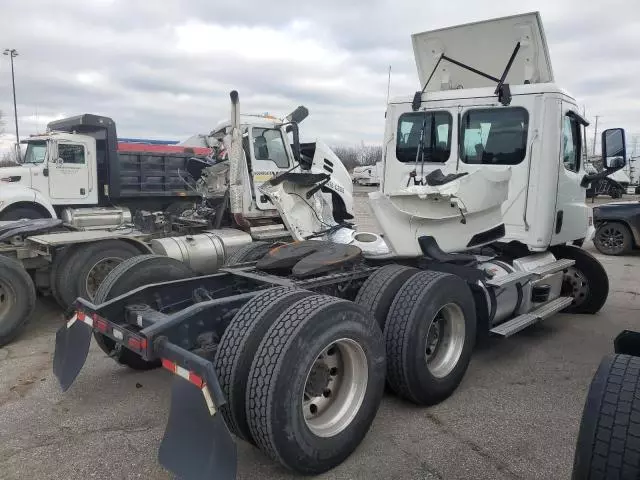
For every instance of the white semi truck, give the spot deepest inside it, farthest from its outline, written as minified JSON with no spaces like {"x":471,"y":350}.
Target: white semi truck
{"x":290,"y":349}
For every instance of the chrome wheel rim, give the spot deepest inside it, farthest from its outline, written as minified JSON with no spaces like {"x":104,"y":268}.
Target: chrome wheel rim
{"x":98,"y":272}
{"x":575,"y":284}
{"x":335,"y":388}
{"x":7,"y":295}
{"x":445,"y":340}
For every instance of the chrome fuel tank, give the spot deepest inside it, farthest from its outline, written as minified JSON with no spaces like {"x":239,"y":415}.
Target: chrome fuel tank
{"x":93,"y":218}
{"x":203,"y":253}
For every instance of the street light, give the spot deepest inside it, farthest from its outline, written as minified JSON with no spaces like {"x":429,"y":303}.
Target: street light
{"x":12,"y":54}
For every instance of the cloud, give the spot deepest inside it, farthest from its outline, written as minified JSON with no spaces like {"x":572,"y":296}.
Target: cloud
{"x":165,"y":69}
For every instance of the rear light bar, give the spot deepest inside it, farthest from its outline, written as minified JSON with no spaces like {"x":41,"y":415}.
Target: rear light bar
{"x":133,"y":342}
{"x":192,"y":377}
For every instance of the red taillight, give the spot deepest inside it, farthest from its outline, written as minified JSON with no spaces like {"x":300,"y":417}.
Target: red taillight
{"x":99,"y":324}
{"x":134,"y":343}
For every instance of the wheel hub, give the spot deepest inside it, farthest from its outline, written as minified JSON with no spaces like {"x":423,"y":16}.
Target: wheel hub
{"x":99,"y":272}
{"x":335,"y":388}
{"x":445,"y":340}
{"x":318,"y":381}
{"x":575,"y":284}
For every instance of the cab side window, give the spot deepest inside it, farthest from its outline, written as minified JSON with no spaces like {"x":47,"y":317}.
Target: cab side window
{"x":571,"y":144}
{"x":71,"y":153}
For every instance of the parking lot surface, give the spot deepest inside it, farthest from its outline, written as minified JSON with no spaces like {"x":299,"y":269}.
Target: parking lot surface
{"x":515,"y":415}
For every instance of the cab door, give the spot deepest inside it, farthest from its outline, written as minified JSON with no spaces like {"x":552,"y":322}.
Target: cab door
{"x":269,"y":157}
{"x":571,"y":213}
{"x":68,"y":172}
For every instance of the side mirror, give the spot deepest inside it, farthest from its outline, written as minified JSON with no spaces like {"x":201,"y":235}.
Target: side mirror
{"x":298,"y":115}
{"x":296,"y":141}
{"x":614,"y":149}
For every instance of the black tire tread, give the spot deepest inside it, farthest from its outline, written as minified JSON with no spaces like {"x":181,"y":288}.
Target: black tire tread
{"x":238,"y":341}
{"x":115,"y":274}
{"x":375,"y":288}
{"x":608,"y":443}
{"x":396,"y":327}
{"x":248,"y":253}
{"x":267,"y":364}
{"x":26,"y":295}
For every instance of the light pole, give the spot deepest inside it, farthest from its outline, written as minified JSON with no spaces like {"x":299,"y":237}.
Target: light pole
{"x":12,"y":54}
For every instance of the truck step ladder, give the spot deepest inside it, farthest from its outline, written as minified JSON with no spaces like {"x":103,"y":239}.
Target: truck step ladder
{"x":521,"y":322}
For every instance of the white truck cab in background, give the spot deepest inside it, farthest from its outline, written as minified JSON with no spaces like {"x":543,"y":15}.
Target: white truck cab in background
{"x":58,"y":169}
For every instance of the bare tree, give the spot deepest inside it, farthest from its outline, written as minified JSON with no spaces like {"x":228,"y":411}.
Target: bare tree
{"x":353,"y":157}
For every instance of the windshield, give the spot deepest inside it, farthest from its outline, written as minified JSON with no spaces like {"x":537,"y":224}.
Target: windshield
{"x":268,"y":145}
{"x":35,"y":152}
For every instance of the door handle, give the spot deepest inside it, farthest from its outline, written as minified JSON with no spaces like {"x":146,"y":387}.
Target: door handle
{"x":45,"y":172}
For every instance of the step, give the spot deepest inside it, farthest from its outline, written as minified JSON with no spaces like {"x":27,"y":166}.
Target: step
{"x":510,"y":279}
{"x":554,"y":267}
{"x":521,"y":322}
{"x":268,"y":232}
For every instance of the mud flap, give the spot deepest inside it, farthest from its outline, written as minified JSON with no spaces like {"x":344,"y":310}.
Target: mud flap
{"x":196,"y":445}
{"x":72,"y":347}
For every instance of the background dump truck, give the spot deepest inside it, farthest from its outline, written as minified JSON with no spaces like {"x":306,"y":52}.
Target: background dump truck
{"x":69,"y":257}
{"x":290,"y":347}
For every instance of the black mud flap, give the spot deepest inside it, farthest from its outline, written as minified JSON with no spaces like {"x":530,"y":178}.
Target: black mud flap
{"x":72,"y":347}
{"x":196,"y":445}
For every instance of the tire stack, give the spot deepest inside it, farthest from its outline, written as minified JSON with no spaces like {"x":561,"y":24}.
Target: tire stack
{"x":304,"y":373}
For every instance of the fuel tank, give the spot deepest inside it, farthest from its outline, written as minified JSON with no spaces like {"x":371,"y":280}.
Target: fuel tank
{"x":93,"y":218}
{"x":205,"y":252}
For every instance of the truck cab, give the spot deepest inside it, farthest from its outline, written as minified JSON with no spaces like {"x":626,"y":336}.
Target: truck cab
{"x":491,"y":109}
{"x":62,"y":167}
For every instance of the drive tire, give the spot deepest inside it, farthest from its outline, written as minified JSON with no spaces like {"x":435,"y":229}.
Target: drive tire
{"x":587,"y":280}
{"x":58,"y":265}
{"x":621,"y":235}
{"x":17,"y":299}
{"x":608,"y":444}
{"x":379,"y":290}
{"x":238,"y":347}
{"x":129,"y":275}
{"x":410,"y":333}
{"x":248,"y":253}
{"x":18,"y":213}
{"x":298,"y":343}
{"x":87,"y":265}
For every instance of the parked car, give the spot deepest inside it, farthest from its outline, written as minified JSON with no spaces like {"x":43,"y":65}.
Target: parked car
{"x":617,"y":227}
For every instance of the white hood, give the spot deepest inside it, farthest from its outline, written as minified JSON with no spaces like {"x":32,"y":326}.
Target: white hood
{"x":486,"y":46}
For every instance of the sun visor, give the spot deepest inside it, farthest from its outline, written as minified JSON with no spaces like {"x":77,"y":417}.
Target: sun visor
{"x":485,"y":46}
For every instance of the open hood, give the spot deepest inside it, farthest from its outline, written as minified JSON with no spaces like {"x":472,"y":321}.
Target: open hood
{"x":485,"y":46}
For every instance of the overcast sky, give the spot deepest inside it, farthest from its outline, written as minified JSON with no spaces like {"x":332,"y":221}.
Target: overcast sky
{"x":163,"y":69}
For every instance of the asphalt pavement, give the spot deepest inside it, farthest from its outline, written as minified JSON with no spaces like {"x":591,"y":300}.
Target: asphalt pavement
{"x":515,"y":415}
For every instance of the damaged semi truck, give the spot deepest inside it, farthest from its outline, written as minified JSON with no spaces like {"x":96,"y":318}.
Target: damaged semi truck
{"x":169,"y":200}
{"x":289,"y":347}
